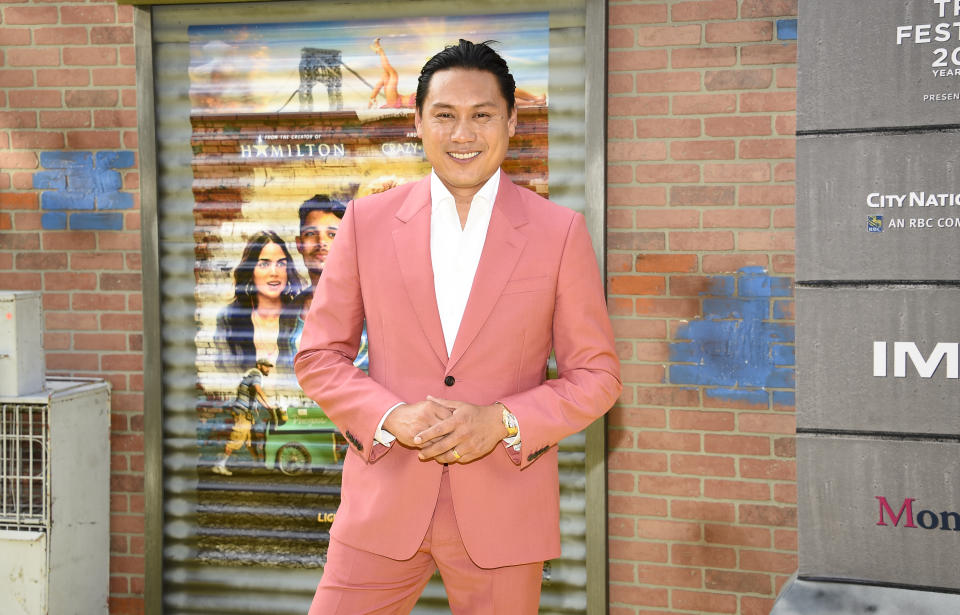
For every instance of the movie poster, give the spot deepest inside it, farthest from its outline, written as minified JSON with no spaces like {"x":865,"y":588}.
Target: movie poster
{"x":290,"y":122}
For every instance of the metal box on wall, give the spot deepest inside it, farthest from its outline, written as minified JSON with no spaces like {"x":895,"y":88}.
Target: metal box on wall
{"x":55,"y":516}
{"x":22,"y":365}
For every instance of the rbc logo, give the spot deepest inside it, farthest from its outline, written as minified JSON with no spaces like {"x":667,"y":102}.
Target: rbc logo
{"x":875,"y":224}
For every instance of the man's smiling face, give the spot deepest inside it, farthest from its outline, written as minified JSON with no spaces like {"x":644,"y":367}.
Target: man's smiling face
{"x":465,"y":128}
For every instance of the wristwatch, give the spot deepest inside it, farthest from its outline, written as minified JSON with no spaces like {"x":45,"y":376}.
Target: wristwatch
{"x":510,"y":422}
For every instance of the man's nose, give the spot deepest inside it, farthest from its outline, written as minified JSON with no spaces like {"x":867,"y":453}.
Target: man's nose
{"x":463,"y":131}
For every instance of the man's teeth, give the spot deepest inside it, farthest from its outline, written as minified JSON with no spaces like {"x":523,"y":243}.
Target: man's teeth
{"x":467,"y":156}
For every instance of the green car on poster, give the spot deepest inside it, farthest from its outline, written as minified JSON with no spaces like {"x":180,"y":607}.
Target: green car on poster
{"x":307,"y":439}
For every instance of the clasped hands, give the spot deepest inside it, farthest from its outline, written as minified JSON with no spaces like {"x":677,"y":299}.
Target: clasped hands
{"x":447,"y":431}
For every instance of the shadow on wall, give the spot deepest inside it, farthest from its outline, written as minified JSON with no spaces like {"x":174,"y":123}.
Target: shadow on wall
{"x":742,"y":346}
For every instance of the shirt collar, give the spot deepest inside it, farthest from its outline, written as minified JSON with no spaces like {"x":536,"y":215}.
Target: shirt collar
{"x":440,"y":194}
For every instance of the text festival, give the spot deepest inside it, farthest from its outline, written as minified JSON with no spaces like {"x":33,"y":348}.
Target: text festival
{"x":946,"y":61}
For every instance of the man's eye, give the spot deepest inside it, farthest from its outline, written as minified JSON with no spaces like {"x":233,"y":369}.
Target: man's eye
{"x":309,"y":234}
{"x":444,"y":116}
{"x":331,"y":234}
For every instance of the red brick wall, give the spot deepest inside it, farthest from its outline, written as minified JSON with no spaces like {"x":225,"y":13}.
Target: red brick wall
{"x":67,"y":88}
{"x":700,"y":261}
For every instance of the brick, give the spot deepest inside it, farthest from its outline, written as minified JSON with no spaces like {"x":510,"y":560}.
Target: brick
{"x":120,"y":281}
{"x":41,"y":260}
{"x":696,"y":241}
{"x":618,"y":38}
{"x":768,"y":469}
{"x":637,"y":551}
{"x":668,"y":441}
{"x":738,"y":79}
{"x":785,"y":493}
{"x":637,"y":60}
{"x":737,"y":126}
{"x":750,"y":605}
{"x":652,"y":351}
{"x":782,"y":53}
{"x":29,"y":15}
{"x":620,"y":128}
{"x":91,"y":98}
{"x":666,"y":263}
{"x":667,"y":173}
{"x":731,"y":263}
{"x":640,"y":329}
{"x":69,"y":281}
{"x":697,"y":104}
{"x":111,"y":35}
{"x":736,"y":490}
{"x":619,"y":83}
{"x":34,"y":98}
{"x":19,"y":281}
{"x":760,"y":514}
{"x":768,"y":8}
{"x":701,"y":195}
{"x":621,"y":151}
{"x":671,"y":576}
{"x":16,"y":78}
{"x":637,"y":105}
{"x":668,"y":485}
{"x":703,"y":57}
{"x":767,"y":148}
{"x":767,"y":195}
{"x":99,"y":341}
{"x":690,"y":555}
{"x":663,"y":36}
{"x":14,"y":36}
{"x":653,"y":418}
{"x":637,"y":14}
{"x":702,"y":421}
{"x":88,"y":14}
{"x":703,"y":602}
{"x":737,"y":445}
{"x":742,"y":582}
{"x":120,"y":241}
{"x":69,"y":240}
{"x":18,"y":200}
{"x":114,"y":76}
{"x":637,"y":505}
{"x":668,"y":530}
{"x":703,"y":150}
{"x":704,"y":10}
{"x":736,"y":172}
{"x":128,"y":98}
{"x":60,"y":36}
{"x":637,"y":285}
{"x":785,"y":540}
{"x":113,"y":118}
{"x":767,"y":561}
{"x":736,"y":535}
{"x":642,"y":373}
{"x":786,"y":124}
{"x":785,"y":447}
{"x":89,"y":56}
{"x":637,"y":462}
{"x":37,"y":140}
{"x":703,"y":465}
{"x":93,"y":139}
{"x":65,"y":119}
{"x":739,"y":32}
{"x":667,"y":127}
{"x":59,"y":77}
{"x":17,"y":160}
{"x":686,"y":81}
{"x":736,"y":218}
{"x":700,"y":510}
{"x":637,"y":196}
{"x":635,"y":241}
{"x":758,"y":102}
{"x":635,"y":594}
{"x":766,"y":240}
{"x":128,"y":55}
{"x":33,"y":57}
{"x":786,"y":78}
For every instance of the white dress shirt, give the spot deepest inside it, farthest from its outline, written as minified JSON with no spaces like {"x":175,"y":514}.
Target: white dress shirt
{"x":455,"y":252}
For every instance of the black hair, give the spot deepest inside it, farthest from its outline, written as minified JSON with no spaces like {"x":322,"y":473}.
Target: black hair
{"x":321,"y":202}
{"x":475,"y":56}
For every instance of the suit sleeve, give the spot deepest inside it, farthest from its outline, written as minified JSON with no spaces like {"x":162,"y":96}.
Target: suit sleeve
{"x":330,"y":342}
{"x":588,"y":380}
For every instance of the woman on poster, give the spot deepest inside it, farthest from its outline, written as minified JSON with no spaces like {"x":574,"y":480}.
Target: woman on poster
{"x":261,"y":321}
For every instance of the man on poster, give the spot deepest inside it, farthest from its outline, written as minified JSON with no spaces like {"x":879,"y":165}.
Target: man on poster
{"x":319,"y":220}
{"x":247,"y":414}
{"x":466,"y":282}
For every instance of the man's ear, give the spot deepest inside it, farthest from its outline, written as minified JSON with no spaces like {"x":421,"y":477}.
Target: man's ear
{"x":512,"y":122}
{"x":417,"y":120}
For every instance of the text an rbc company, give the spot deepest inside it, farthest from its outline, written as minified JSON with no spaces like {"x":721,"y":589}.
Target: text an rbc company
{"x":926,"y":367}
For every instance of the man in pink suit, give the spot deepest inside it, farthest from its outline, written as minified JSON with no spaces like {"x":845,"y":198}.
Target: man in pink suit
{"x":466,"y":282}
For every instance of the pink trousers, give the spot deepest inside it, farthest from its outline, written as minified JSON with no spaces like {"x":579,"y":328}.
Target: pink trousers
{"x":357,"y":582}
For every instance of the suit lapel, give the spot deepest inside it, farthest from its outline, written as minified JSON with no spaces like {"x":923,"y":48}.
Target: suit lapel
{"x":411,"y":243}
{"x":501,"y":251}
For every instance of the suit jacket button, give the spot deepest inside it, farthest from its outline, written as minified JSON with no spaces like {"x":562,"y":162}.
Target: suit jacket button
{"x":449,"y":381}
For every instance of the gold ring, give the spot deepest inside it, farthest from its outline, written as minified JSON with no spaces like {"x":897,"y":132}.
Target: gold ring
{"x":455,"y":453}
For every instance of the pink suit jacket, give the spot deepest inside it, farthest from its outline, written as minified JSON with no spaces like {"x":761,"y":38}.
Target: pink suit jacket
{"x":537,"y":288}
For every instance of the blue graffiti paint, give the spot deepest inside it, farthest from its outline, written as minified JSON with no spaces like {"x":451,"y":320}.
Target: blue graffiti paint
{"x":736,"y":346}
{"x":787,"y":29}
{"x":80,"y":189}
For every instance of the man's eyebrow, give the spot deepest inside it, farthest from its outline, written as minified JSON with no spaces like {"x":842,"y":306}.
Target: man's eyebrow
{"x":444,"y":105}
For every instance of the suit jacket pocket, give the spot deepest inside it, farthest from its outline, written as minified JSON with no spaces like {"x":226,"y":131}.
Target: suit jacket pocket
{"x":528,"y":285}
